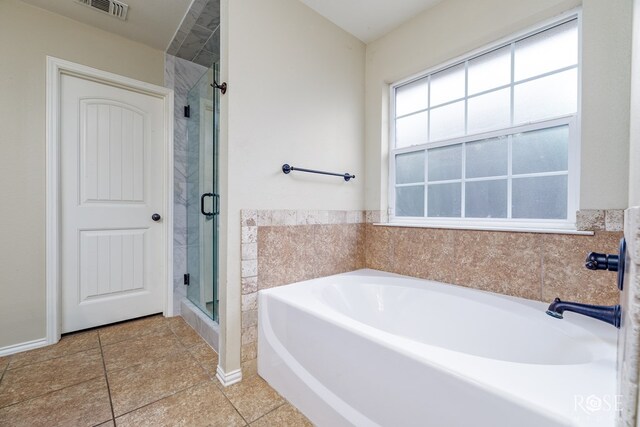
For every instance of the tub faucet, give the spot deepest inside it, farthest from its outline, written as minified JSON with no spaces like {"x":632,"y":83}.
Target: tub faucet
{"x":609,"y":314}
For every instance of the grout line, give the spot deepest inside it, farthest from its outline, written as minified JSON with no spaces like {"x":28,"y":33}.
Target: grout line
{"x":542,"y":250}
{"x":234,"y":406}
{"x":267,"y":413}
{"x":206,"y":371}
{"x":6,"y":368}
{"x":106,"y":378}
{"x":162,"y":398}
{"x":30,"y":365}
{"x":49,"y":392}
{"x":9,"y":368}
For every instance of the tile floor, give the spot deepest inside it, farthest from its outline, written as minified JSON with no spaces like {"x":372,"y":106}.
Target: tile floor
{"x":153,"y":371}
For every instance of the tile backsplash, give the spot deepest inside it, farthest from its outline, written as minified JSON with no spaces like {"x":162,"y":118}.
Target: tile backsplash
{"x":286,"y":246}
{"x":528,"y":265}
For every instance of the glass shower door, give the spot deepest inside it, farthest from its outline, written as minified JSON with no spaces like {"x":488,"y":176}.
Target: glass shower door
{"x":203,"y":200}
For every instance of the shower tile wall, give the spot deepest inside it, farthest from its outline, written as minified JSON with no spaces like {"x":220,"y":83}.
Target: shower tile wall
{"x":180,"y":75}
{"x":198,"y":38}
{"x":195,"y":47}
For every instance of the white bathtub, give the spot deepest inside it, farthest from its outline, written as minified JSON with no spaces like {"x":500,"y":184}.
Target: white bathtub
{"x":369,"y":348}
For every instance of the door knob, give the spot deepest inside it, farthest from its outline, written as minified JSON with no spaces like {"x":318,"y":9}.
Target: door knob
{"x":156,"y":217}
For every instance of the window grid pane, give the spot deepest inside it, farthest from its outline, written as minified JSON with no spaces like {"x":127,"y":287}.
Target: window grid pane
{"x":451,"y":174}
{"x":446,"y":95}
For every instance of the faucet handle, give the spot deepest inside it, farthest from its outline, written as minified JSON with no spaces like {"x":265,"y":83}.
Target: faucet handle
{"x":598,"y":261}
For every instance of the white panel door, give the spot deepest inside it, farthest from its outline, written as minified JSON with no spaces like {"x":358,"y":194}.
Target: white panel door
{"x":112,"y":176}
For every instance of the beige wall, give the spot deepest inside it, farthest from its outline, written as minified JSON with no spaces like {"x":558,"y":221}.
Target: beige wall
{"x":455,"y":27}
{"x":634,"y":149}
{"x":296,"y":91}
{"x":606,"y":78}
{"x":27,"y":35}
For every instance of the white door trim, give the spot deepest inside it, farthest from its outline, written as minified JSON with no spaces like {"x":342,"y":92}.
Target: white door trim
{"x":55,"y":68}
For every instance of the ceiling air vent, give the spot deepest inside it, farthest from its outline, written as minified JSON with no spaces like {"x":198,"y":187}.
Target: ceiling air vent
{"x":112,"y":7}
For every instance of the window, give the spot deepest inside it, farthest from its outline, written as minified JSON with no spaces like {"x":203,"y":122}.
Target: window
{"x":492,"y":138}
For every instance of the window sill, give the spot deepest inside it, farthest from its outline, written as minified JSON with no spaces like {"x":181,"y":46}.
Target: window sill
{"x":486,"y":228}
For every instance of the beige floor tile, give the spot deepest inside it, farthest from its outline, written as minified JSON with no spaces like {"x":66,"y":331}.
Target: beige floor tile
{"x":202,"y":405}
{"x":253,"y":398}
{"x":132,"y":329}
{"x":140,"y":385}
{"x":159,"y":343}
{"x":206,"y":356}
{"x":69,"y":344}
{"x":85,"y":404}
{"x":185,"y":333}
{"x":4,"y":362}
{"x":107,"y":424}
{"x":285,"y":416}
{"x":43,"y":377}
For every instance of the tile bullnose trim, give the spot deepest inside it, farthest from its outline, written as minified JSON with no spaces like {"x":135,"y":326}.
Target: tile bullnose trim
{"x":485,"y":228}
{"x":600,"y":220}
{"x":632,"y":223}
{"x":628,"y":340}
{"x":227,"y":379}
{"x":290,"y":217}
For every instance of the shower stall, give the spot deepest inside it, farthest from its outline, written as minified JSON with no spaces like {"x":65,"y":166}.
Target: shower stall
{"x":203,"y":198}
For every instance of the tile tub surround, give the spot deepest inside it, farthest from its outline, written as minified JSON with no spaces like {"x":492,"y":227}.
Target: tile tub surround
{"x":285,"y":246}
{"x":154,"y":371}
{"x":629,"y":335}
{"x":529,"y":265}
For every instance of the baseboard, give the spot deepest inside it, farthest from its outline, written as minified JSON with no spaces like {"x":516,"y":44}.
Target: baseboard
{"x":230,"y":378}
{"x":19,"y":348}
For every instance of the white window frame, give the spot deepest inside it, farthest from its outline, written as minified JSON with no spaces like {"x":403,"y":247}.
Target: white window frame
{"x":573,"y":167}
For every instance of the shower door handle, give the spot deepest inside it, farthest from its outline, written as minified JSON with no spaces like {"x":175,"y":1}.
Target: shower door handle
{"x":202,"y":204}
{"x":216,"y":204}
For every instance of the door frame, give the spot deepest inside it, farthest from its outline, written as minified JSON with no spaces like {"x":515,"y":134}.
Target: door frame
{"x":55,"y":69}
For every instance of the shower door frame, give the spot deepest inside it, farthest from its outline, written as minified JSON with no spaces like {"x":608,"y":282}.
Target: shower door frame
{"x":205,"y":106}
{"x":55,"y":68}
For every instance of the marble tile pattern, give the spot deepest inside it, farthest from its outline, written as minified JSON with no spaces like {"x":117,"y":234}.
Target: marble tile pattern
{"x":285,"y":246}
{"x":153,"y":371}
{"x":629,"y":334}
{"x":198,"y":38}
{"x":600,"y":220}
{"x":206,"y":328}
